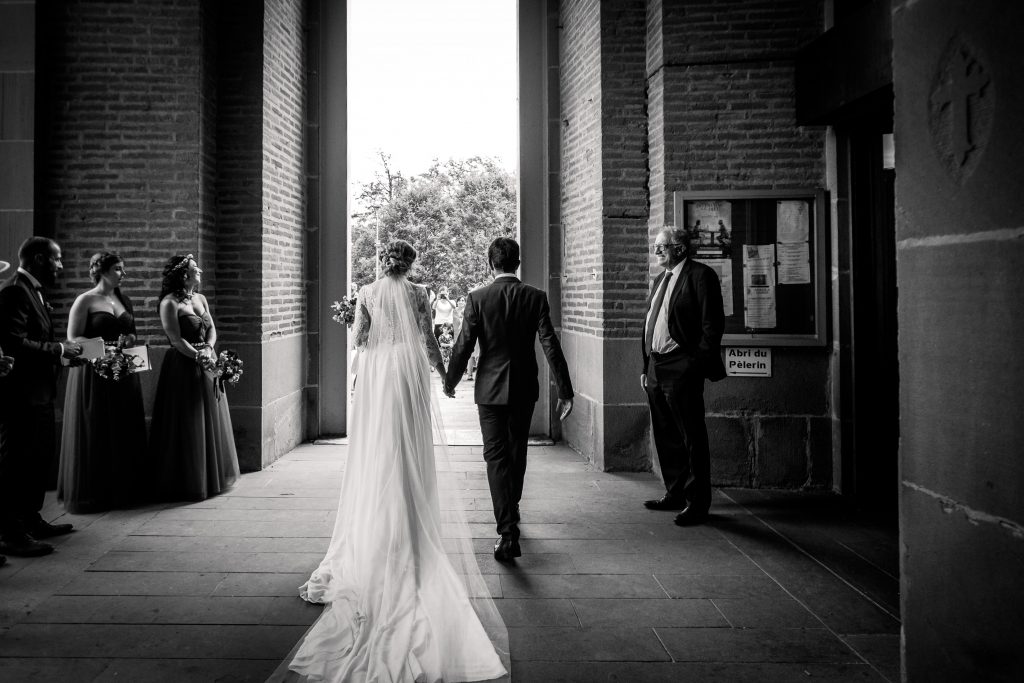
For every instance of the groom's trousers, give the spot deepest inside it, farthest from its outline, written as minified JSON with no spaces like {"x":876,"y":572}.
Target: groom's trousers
{"x":506,"y":430}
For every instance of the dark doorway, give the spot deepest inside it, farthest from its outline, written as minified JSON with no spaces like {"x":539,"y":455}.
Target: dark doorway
{"x":870,"y":399}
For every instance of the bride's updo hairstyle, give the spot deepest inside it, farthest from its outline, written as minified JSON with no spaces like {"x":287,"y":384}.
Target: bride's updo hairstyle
{"x":397,"y":257}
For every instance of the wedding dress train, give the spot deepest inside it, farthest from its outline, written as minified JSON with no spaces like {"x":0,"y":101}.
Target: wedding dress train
{"x":404,"y":597}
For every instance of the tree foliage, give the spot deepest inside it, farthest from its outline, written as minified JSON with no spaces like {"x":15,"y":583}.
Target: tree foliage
{"x":449,"y":214}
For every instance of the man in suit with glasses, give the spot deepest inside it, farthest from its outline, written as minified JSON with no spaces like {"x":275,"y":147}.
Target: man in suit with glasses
{"x":681,"y":348}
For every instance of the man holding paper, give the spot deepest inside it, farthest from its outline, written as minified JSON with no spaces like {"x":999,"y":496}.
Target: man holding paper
{"x":26,"y":398}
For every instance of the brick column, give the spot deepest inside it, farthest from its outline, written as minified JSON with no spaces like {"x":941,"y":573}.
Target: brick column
{"x":604,"y":216}
{"x":17,"y":129}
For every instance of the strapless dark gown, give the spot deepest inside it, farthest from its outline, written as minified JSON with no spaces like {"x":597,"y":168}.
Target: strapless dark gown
{"x":190,"y":442}
{"x":103,"y":443}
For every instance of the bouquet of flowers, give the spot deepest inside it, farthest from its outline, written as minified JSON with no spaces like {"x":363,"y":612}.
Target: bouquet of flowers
{"x":226,"y":368}
{"x":115,"y":364}
{"x":345,"y":310}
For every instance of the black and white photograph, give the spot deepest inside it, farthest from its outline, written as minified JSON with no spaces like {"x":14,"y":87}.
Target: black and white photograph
{"x":511,"y":341}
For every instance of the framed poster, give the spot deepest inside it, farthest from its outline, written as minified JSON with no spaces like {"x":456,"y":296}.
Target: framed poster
{"x":769,"y":250}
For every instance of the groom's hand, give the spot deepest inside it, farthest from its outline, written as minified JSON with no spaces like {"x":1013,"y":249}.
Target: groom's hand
{"x":564,"y":407}
{"x":449,"y":391}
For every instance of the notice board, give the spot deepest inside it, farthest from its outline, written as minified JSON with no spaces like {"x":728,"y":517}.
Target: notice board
{"x":768,"y":248}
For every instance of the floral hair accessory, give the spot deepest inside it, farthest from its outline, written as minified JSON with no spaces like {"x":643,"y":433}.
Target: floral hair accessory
{"x":184,"y":262}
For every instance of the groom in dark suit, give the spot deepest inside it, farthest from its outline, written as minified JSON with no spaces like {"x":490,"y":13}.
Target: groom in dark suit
{"x":27,"y":439}
{"x":681,"y":348}
{"x":507,"y":317}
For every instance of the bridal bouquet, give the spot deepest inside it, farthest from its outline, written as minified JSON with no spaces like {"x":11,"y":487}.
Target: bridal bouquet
{"x":115,"y":364}
{"x":345,"y":310}
{"x":226,"y":368}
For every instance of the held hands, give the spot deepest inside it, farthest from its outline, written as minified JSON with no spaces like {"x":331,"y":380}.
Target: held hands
{"x":6,"y":364}
{"x":72,"y":349}
{"x":563,"y":407}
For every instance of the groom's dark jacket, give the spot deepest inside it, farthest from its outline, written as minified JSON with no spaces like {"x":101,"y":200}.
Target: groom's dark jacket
{"x":26,"y":334}
{"x":507,"y":317}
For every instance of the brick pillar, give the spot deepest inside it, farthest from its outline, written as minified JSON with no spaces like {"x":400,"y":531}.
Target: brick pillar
{"x":960,"y":255}
{"x":175,"y":127}
{"x":17,"y":129}
{"x":604,"y":216}
{"x":121,"y":146}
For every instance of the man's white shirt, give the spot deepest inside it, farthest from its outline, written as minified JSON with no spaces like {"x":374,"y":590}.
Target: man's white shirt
{"x":663,"y":342}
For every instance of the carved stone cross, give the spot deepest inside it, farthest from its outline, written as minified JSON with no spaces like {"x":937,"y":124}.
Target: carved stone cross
{"x":966,"y":81}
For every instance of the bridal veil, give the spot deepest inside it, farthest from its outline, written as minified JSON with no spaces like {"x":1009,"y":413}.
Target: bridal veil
{"x":403,"y":593}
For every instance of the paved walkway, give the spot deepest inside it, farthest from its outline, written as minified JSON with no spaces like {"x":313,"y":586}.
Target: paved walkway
{"x":777,"y":587}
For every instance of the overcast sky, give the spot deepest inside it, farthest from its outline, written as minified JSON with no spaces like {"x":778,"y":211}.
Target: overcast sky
{"x":431,"y":78}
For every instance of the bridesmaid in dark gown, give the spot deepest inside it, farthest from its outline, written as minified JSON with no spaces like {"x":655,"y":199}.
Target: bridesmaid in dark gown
{"x":191,"y":442}
{"x":103,"y":444}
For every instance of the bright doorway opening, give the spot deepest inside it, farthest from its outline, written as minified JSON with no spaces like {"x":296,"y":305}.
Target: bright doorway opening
{"x":433,"y":150}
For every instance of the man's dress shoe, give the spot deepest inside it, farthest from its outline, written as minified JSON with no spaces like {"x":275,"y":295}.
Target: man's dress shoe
{"x":43,"y":529}
{"x":23,"y":545}
{"x":506,"y":548}
{"x":664,"y":503}
{"x":690,"y":516}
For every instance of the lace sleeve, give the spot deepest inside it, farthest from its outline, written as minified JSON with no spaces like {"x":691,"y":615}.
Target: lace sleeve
{"x":361,"y":325}
{"x":426,"y":327}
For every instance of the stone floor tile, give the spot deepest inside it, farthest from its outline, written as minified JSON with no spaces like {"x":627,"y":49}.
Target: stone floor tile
{"x":585,"y":645}
{"x":516,"y":585}
{"x":187,"y":670}
{"x":780,"y":612}
{"x":145,"y":583}
{"x":705,"y":559}
{"x":719,"y":586}
{"x":688,"y":672}
{"x":223,"y":544}
{"x":238,"y":514}
{"x":640,"y":612}
{"x":149,"y":641}
{"x":261,"y":584}
{"x":137,"y":609}
{"x":755,"y":645}
{"x":537,"y":612}
{"x":243,"y":529}
{"x":18,"y":669}
{"x":882,"y":651}
{"x":207,"y":561}
{"x":531,"y":563}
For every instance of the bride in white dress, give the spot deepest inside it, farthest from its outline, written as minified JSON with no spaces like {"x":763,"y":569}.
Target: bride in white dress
{"x":404,"y":597}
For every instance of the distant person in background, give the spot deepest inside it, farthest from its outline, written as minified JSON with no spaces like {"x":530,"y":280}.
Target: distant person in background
{"x":191,"y":443}
{"x":103,"y":445}
{"x":444,"y":312}
{"x":27,"y":392}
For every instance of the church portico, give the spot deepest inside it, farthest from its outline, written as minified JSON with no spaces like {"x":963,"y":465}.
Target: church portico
{"x":152,"y":127}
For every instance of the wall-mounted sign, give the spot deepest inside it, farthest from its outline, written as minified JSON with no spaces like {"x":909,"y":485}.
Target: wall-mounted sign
{"x":750,"y":361}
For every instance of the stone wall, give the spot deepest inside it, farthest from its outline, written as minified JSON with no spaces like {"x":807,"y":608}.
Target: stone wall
{"x":960,"y":255}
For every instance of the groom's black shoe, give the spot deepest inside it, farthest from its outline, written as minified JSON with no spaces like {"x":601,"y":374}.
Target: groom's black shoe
{"x":505,"y":548}
{"x":666,"y":502}
{"x":691,"y":515}
{"x":42,"y":529}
